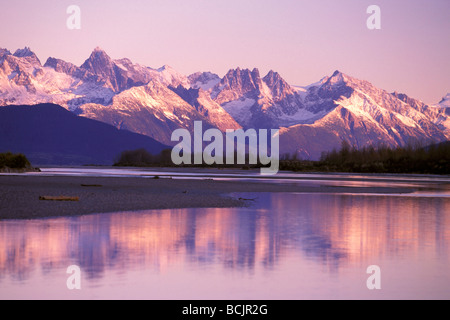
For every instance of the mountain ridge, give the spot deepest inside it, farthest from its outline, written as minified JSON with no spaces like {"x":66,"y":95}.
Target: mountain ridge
{"x":154,"y":102}
{"x":48,"y":134}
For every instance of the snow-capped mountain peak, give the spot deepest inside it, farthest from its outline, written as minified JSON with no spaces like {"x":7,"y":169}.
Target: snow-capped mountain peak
{"x":119,"y":75}
{"x":337,"y":78}
{"x":238,"y":82}
{"x":62,"y":66}
{"x":356,"y":111}
{"x":166,"y":68}
{"x":445,"y":102}
{"x":204,"y":80}
{"x":257,"y":102}
{"x":156,"y":101}
{"x":28,"y":55}
{"x":4,"y":52}
{"x":25,"y":52}
{"x":169,"y":76}
{"x":98,"y":49}
{"x":279,"y":87}
{"x":98,"y":62}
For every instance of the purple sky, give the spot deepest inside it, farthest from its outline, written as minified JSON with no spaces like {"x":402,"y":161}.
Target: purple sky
{"x":302,"y":40}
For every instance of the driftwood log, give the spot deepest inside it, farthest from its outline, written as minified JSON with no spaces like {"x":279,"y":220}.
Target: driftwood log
{"x":58,"y":198}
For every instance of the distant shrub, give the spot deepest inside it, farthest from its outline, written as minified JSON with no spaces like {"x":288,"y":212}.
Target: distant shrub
{"x":13,"y":161}
{"x":142,"y":158}
{"x":423,"y":160}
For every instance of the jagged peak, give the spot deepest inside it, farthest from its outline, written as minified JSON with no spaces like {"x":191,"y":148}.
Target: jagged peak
{"x":232,"y":73}
{"x":445,"y":102}
{"x":196,"y":74}
{"x":203,"y":76}
{"x":336,"y":73}
{"x":165,"y":68}
{"x":99,"y":53}
{"x":124,"y":61}
{"x":97,"y":56}
{"x":337,"y":78}
{"x":239,"y":72}
{"x":52,"y":62}
{"x":60,"y":65}
{"x":98,"y":49}
{"x":256,"y":72}
{"x":244,"y":75}
{"x":401,"y":96}
{"x":206,"y":74}
{"x":273,"y":76}
{"x":4,"y":52}
{"x":445,"y":98}
{"x":25,"y":52}
{"x":28,"y":55}
{"x":407,"y":99}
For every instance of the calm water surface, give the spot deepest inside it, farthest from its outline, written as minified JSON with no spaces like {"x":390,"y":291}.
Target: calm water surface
{"x":285,"y":246}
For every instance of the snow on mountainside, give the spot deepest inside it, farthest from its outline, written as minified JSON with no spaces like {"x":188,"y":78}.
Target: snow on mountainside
{"x":23,"y":80}
{"x":440,"y":116}
{"x":98,"y":88}
{"x":152,"y":110}
{"x":169,"y":77}
{"x":28,"y":54}
{"x":204,"y":105}
{"x":445,"y":102}
{"x":156,"y":111}
{"x":155,"y":102}
{"x":268,"y":102}
{"x":364,"y":115}
{"x":122,"y":74}
{"x":203,"y":80}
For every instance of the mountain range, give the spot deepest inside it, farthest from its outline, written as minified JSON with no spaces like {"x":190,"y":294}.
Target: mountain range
{"x":154,"y":102}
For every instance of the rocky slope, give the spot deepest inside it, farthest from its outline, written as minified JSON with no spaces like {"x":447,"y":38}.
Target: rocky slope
{"x":154,"y":102}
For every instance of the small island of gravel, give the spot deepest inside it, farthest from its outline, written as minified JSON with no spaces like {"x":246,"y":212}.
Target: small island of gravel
{"x":21,"y":196}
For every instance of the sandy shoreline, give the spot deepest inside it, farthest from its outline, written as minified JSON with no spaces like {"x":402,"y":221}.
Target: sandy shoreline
{"x":19,"y":195}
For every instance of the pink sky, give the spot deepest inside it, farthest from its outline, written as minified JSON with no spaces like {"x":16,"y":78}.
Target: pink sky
{"x":302,"y":40}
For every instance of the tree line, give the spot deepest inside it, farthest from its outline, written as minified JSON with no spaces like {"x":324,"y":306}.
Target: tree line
{"x":411,"y":159}
{"x":434,"y":159}
{"x":142,"y":158}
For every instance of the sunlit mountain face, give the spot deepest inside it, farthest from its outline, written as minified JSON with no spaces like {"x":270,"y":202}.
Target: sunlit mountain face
{"x":157,"y":101}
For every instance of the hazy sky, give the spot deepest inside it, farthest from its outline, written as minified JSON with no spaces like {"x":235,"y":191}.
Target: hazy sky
{"x":302,"y":40}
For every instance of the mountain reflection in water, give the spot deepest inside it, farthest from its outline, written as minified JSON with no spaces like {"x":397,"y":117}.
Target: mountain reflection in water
{"x":319,"y":234}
